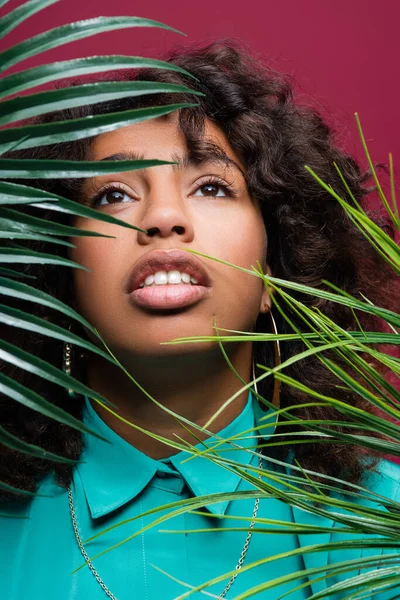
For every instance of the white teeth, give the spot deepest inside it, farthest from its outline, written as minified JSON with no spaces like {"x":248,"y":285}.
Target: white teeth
{"x":160,"y":278}
{"x":172,"y":277}
{"x":149,"y":280}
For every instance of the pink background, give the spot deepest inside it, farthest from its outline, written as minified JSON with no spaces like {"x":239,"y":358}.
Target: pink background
{"x":343,"y":53}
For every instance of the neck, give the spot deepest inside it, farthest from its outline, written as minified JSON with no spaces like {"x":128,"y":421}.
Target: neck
{"x":192,"y":387}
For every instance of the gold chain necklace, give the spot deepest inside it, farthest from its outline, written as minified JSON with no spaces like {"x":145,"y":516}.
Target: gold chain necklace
{"x":103,"y":585}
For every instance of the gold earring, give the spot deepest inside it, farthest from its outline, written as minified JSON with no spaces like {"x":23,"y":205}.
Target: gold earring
{"x":67,"y":352}
{"x":277,"y":350}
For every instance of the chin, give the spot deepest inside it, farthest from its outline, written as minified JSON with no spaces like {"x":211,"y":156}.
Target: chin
{"x":159,"y":348}
{"x":155,"y":343}
{"x":176,"y":356}
{"x":150,"y":336}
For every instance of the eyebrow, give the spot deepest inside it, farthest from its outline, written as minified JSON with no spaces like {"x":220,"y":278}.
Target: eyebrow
{"x":213,"y":155}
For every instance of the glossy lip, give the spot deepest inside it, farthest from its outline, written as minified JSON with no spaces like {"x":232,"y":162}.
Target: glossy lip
{"x":167,"y":260}
{"x":168,"y":297}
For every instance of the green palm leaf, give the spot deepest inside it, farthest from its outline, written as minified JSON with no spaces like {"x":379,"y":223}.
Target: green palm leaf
{"x":321,"y":334}
{"x":22,"y":291}
{"x":16,"y":193}
{"x":60,"y":169}
{"x":10,"y":489}
{"x":25,"y":396}
{"x":25,"y":80}
{"x":368,"y":382}
{"x":20,"y":255}
{"x":20,"y":14}
{"x":27,"y":107}
{"x":28,"y":362}
{"x":30,"y":136}
{"x":23,"y":222}
{"x":17,"y":225}
{"x":11,"y":441}
{"x":18,"y":318}
{"x":66,"y":34}
{"x":12,"y":273}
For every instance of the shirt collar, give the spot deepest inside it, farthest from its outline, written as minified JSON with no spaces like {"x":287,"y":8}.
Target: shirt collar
{"x":115,"y":472}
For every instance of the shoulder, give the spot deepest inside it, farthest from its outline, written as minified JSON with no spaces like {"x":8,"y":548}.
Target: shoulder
{"x":382,"y":485}
{"x":378,"y":487}
{"x":383,"y":479}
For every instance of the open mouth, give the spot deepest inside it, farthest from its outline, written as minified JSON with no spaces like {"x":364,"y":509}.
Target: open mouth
{"x":166,"y":280}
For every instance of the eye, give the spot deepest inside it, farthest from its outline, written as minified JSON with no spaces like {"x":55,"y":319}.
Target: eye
{"x":213,"y":189}
{"x":114,"y":195}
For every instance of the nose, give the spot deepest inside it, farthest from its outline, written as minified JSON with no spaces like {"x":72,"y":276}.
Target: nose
{"x":165,"y":216}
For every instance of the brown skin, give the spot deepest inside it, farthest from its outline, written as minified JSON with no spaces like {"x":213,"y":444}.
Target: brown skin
{"x":192,"y":380}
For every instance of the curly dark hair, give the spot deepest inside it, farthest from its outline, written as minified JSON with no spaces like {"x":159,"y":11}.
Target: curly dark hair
{"x":310,"y":240}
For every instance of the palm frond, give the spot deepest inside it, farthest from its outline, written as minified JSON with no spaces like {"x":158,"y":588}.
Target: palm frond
{"x":72,"y":32}
{"x":17,"y":226}
{"x":78,"y":67}
{"x":21,"y":14}
{"x":29,"y":136}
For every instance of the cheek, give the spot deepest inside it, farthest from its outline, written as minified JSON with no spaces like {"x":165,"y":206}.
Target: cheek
{"x":93,"y":287}
{"x":240,"y":294}
{"x":240,"y":238}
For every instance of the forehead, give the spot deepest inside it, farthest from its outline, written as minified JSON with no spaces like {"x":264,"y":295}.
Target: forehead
{"x":160,"y":138}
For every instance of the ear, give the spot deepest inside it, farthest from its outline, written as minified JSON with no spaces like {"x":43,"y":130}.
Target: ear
{"x":265,"y":304}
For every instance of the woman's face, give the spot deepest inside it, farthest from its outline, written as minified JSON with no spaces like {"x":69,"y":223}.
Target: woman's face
{"x":145,"y":289}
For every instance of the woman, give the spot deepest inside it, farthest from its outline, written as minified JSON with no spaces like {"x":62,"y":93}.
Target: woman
{"x":235,"y":189}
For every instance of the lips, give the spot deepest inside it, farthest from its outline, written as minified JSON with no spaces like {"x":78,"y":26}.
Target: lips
{"x":167,"y":260}
{"x":168,"y":297}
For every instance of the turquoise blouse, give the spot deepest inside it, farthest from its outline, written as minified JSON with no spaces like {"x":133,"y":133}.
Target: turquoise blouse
{"x":115,"y":482}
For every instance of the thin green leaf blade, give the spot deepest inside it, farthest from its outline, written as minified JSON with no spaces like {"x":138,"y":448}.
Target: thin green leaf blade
{"x":62,"y":169}
{"x":10,"y":489}
{"x":19,"y":255}
{"x":77,"y":129}
{"x":18,"y":318}
{"x":35,"y":365}
{"x":13,"y":442}
{"x":45,"y":200}
{"x":13,"y":234}
{"x":393,"y":191}
{"x":12,"y":273}
{"x":31,"y":399}
{"x":27,"y":107}
{"x":79,"y":67}
{"x":373,"y":171}
{"x":54,"y":38}
{"x":3,"y":3}
{"x":21,"y":14}
{"x":18,"y":221}
{"x":6,"y":200}
{"x":23,"y":291}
